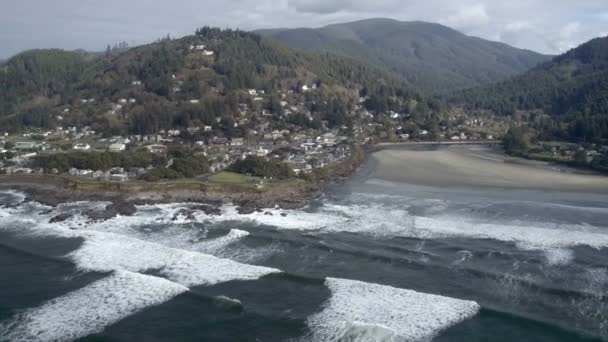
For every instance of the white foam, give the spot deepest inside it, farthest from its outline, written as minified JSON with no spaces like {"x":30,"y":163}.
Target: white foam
{"x":287,"y":219}
{"x":394,"y":220}
{"x":90,"y":309}
{"x":108,"y":251}
{"x":359,"y":311}
{"x":559,"y":256}
{"x":17,"y":197}
{"x":219,"y":244}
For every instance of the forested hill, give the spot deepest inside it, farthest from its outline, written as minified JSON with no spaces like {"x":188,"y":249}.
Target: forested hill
{"x":572,"y":89}
{"x":433,"y":57}
{"x":214,"y":75}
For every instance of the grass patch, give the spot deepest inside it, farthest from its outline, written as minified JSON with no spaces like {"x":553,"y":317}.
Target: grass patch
{"x":232,"y":178}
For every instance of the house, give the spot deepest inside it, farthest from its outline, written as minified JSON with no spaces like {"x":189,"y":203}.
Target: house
{"x":82,"y":147}
{"x":208,"y":53}
{"x":220,"y":141}
{"x":26,"y":145}
{"x":78,"y":172}
{"x":237,"y":142}
{"x":207,"y":128}
{"x":262,"y":152}
{"x":117,"y":147}
{"x":98,"y":175}
{"x":195,"y":101}
{"x":157,"y":149}
{"x":119,"y":177}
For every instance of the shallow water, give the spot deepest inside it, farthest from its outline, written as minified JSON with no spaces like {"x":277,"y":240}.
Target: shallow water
{"x":372,"y":261}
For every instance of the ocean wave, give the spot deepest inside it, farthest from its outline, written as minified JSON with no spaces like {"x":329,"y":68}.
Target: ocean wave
{"x":108,"y":251}
{"x":359,"y":311}
{"x":90,"y":309}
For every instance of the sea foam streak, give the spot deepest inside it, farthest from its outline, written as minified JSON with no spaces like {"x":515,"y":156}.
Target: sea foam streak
{"x":359,"y":311}
{"x":107,"y":251}
{"x":88,"y":310}
{"x":380,"y":219}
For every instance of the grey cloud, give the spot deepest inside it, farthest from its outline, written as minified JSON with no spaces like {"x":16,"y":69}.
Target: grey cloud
{"x":543,"y":25}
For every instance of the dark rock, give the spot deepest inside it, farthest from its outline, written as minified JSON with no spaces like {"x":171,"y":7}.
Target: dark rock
{"x":123,"y":208}
{"x":61,"y":218}
{"x":283,"y":214}
{"x":187,"y":213}
{"x":101,"y":214}
{"x":268,"y":213}
{"x":209,"y":210}
{"x":246,"y":210}
{"x":112,"y":210}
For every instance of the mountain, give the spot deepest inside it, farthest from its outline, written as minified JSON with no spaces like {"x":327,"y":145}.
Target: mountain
{"x":214,"y":75}
{"x":430,"y":56}
{"x":572,"y":89}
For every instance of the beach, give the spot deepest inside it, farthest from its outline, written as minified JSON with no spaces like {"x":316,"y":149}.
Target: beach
{"x":479,"y":167}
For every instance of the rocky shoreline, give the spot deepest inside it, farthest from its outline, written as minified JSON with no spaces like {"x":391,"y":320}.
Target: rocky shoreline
{"x":53,"y":191}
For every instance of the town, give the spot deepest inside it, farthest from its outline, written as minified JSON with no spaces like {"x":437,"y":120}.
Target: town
{"x":302,"y":149}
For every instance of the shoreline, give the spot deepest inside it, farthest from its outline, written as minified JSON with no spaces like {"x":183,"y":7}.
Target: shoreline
{"x":475,"y":166}
{"x":480,"y":167}
{"x":53,"y":190}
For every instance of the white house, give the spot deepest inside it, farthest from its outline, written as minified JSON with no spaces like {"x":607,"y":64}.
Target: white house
{"x":117,"y":147}
{"x":82,"y":147}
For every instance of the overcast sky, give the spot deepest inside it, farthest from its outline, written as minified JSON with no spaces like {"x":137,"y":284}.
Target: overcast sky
{"x":549,"y":26}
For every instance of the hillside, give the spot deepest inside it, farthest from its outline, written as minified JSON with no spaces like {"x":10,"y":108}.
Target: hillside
{"x":214,"y":77}
{"x":572,"y":89}
{"x":432,"y":57}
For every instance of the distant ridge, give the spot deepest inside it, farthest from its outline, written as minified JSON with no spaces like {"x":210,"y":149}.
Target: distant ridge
{"x":433,"y":57}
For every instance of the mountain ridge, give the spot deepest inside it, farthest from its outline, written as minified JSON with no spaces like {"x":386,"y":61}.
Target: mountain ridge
{"x":572,"y":89}
{"x":193,"y":80}
{"x":431,"y":56}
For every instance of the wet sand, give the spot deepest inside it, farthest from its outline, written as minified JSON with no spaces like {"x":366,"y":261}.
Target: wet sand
{"x":477,"y":166}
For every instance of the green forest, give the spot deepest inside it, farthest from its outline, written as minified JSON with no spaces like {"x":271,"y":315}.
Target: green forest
{"x":172,"y":85}
{"x":565,"y":99}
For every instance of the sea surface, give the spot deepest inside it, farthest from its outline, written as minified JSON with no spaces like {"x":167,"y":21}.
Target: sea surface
{"x":370,"y":261}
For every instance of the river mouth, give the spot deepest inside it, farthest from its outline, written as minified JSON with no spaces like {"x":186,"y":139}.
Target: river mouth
{"x":376,"y":259}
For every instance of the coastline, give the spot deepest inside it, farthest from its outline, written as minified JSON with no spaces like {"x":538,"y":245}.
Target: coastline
{"x":471,"y":165}
{"x":296,"y":193}
{"x":480,"y":167}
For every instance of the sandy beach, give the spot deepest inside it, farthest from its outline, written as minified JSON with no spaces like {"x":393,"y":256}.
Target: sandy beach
{"x":477,"y":166}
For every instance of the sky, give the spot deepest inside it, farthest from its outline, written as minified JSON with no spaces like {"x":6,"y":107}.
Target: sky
{"x":547,"y":26}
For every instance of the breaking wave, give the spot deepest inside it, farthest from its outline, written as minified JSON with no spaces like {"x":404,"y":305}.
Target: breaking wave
{"x":90,"y":309}
{"x":358,"y":311}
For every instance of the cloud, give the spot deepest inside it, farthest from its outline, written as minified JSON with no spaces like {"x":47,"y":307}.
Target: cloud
{"x":469,"y":16}
{"x":543,"y":25}
{"x":567,"y":35}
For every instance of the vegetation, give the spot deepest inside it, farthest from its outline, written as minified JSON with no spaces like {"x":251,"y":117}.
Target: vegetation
{"x":431,"y":57}
{"x":102,"y":161}
{"x":262,"y":167}
{"x":173,"y":85}
{"x":564,"y":99}
{"x":231,"y":178}
{"x":516,"y":141}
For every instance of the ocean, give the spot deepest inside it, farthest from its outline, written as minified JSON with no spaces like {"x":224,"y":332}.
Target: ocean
{"x":370,"y":261}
